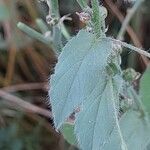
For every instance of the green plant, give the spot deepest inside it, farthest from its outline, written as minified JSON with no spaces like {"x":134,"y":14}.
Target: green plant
{"x":88,"y":76}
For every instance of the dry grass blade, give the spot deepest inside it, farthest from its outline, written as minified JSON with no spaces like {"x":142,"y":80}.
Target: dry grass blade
{"x":26,"y":87}
{"x":10,"y":66}
{"x":21,"y":104}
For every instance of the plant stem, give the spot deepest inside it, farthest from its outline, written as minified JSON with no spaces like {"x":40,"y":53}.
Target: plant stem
{"x":128,"y":18}
{"x":96,"y":18}
{"x":53,"y":8}
{"x":32,"y":33}
{"x":64,"y":31}
{"x":54,"y":13}
{"x":130,"y":31}
{"x":83,"y":4}
{"x":42,"y":25}
{"x":138,"y":50}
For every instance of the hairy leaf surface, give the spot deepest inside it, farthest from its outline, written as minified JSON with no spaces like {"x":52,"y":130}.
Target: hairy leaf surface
{"x":135,"y":130}
{"x":97,"y":118}
{"x":80,"y":69}
{"x":145,"y":90}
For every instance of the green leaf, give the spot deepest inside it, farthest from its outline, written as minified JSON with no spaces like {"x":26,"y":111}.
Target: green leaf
{"x":98,"y":116}
{"x":68,"y":133}
{"x":135,"y":130}
{"x":145,"y":89}
{"x":80,"y":68}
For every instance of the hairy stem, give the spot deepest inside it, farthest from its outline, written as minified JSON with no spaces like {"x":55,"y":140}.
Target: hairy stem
{"x":138,"y":50}
{"x":96,"y":18}
{"x":83,"y":3}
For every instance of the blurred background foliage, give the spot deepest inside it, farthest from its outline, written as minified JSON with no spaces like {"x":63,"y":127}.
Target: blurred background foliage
{"x":26,"y":64}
